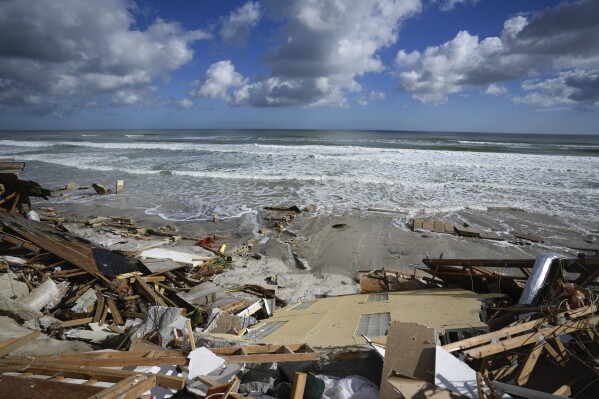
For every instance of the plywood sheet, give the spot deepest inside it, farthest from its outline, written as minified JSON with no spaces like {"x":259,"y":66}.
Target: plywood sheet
{"x":410,"y":352}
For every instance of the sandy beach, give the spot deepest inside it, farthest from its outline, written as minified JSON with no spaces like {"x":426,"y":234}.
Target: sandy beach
{"x":313,"y":255}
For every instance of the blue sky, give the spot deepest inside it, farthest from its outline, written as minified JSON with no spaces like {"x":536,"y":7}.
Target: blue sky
{"x":432,"y":65}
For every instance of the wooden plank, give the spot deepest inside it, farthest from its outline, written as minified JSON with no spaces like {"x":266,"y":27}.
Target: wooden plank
{"x":529,"y":339}
{"x":7,"y":342}
{"x":83,"y":372}
{"x":529,"y":364}
{"x":468,"y":231}
{"x":267,"y":353}
{"x":149,"y":292}
{"x":104,"y":314}
{"x":233,"y":387}
{"x":124,"y":362}
{"x":428,"y":225}
{"x":490,"y":235}
{"x":527,"y":236}
{"x":439,"y":226}
{"x":17,"y":343}
{"x":116,"y":329}
{"x":192,"y":341}
{"x":128,"y":388}
{"x":17,"y":241}
{"x":77,"y":322}
{"x":250,"y":310}
{"x":514,"y":330}
{"x":299,"y":385}
{"x":99,"y":306}
{"x":116,"y":314}
{"x":449,"y":228}
{"x":54,"y":241}
{"x":417,"y":224}
{"x":273,"y":358}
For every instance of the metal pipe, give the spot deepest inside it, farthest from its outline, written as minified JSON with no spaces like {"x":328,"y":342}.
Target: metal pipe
{"x":537,"y":279}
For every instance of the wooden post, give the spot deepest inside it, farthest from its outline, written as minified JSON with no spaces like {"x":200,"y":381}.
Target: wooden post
{"x":299,"y":385}
{"x":192,"y":340}
{"x":529,"y":364}
{"x":119,"y":186}
{"x":114,"y":310}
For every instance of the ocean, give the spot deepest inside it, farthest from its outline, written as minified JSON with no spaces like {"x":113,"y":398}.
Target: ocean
{"x":543,"y":182}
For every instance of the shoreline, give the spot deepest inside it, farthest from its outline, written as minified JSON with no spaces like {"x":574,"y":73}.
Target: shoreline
{"x":308,"y":255}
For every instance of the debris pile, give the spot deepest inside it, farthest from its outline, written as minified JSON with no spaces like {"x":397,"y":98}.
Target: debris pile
{"x":101,"y":307}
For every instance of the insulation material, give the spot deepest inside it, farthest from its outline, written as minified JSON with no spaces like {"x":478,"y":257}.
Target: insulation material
{"x":49,"y":294}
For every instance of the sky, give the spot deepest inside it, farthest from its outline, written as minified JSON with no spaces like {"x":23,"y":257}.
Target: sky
{"x":493,"y":66}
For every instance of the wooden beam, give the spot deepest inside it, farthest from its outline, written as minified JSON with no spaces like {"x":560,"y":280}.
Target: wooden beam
{"x":299,"y":385}
{"x":83,"y":372}
{"x":113,"y":359}
{"x":149,"y":292}
{"x":129,"y":388}
{"x":192,"y":341}
{"x":530,"y":338}
{"x":99,"y":306}
{"x":529,"y":363}
{"x":104,"y":314}
{"x":77,"y":322}
{"x":514,"y":330}
{"x":114,"y":311}
{"x":233,"y":386}
{"x":267,"y":353}
{"x":560,"y":356}
{"x":17,"y":343}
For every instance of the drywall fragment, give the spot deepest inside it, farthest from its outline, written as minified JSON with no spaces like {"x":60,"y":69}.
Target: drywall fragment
{"x":85,"y":301}
{"x":202,"y":361}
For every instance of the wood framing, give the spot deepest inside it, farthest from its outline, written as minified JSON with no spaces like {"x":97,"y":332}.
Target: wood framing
{"x":84,"y":372}
{"x":267,"y":353}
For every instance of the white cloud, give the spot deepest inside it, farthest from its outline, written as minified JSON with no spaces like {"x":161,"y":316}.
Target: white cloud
{"x":372,"y":96}
{"x":407,"y":59}
{"x":135,"y":97}
{"x":327,"y":46}
{"x":496,"y":90}
{"x":551,"y":42}
{"x":376,"y":96}
{"x":71,"y":52}
{"x":220,"y":77}
{"x":237,"y":25}
{"x":572,"y":87}
{"x":185,"y":103}
{"x":448,"y":5}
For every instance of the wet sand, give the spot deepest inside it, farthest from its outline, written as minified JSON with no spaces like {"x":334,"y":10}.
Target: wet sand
{"x":319,"y":255}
